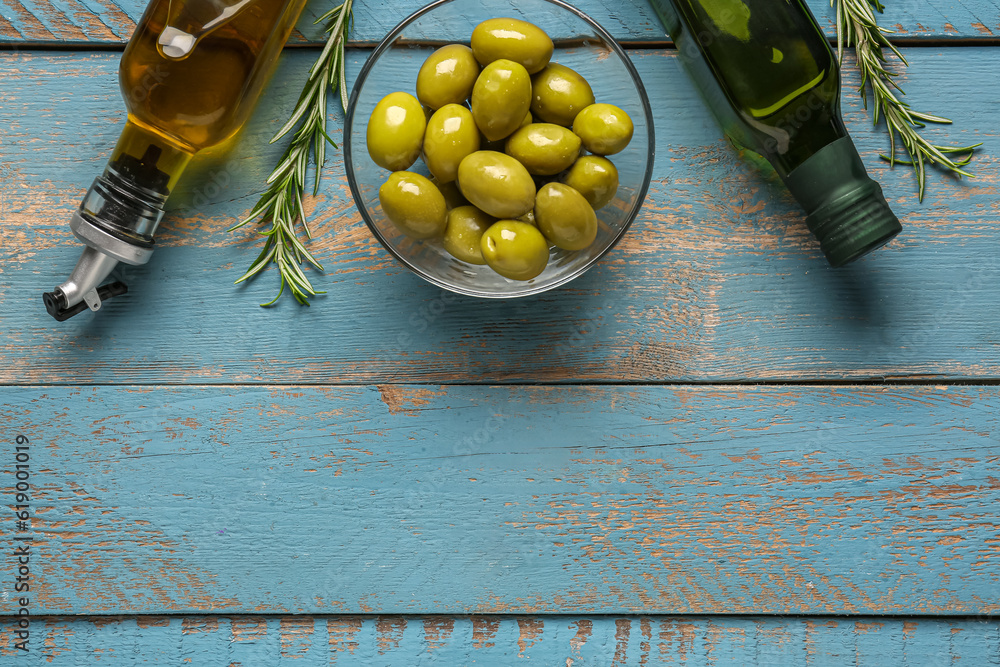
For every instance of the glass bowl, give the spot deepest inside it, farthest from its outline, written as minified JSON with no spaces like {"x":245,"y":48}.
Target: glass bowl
{"x":581,"y":44}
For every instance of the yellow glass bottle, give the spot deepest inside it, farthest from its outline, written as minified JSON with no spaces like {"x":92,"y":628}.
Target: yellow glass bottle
{"x":190,"y":75}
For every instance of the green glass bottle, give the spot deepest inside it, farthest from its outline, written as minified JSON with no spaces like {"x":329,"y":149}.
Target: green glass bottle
{"x":769,"y":75}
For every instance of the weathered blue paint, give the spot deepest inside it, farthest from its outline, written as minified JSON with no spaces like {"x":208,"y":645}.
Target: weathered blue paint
{"x":90,"y":21}
{"x":471,"y":499}
{"x":718,"y":279}
{"x":601,"y":641}
{"x":252,"y":498}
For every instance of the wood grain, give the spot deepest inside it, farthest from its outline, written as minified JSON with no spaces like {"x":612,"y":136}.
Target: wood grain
{"x":718,"y":279}
{"x":82,"y":22}
{"x":397,"y":641}
{"x":471,"y":499}
{"x":301,"y":479}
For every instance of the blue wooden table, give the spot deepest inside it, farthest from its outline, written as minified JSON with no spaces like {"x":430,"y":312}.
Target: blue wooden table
{"x":712,"y":449}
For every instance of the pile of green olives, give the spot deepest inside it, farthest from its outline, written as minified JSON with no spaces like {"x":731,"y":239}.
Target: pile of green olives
{"x":516,"y":146}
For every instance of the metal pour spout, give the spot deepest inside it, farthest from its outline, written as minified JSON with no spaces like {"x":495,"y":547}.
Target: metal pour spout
{"x":83,"y":289}
{"x":116,"y":221}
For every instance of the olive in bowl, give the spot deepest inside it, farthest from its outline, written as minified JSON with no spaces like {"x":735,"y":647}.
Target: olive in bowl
{"x":579,"y":44}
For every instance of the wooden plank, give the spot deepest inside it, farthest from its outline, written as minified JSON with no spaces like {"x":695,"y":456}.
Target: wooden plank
{"x":84,"y":22}
{"x":471,"y":499}
{"x":718,"y":280}
{"x":408,"y":641}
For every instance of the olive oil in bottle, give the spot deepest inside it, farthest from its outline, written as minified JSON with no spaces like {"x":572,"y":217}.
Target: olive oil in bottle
{"x":769,"y":75}
{"x":190,"y":75}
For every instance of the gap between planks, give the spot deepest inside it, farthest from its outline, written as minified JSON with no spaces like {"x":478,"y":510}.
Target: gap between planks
{"x":553,"y":616}
{"x":628,"y":45}
{"x":888,"y":381}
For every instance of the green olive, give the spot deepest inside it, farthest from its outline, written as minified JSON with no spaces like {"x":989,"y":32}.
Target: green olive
{"x":515,"y":249}
{"x":529,"y":218}
{"x":565,"y":217}
{"x":464,"y":234}
{"x":452,"y":195}
{"x":594,"y":177}
{"x":498,"y":145}
{"x":559,"y":94}
{"x":604,"y":129}
{"x":544,"y":149}
{"x":501,"y":98}
{"x":512,"y":39}
{"x":396,"y":131}
{"x":497,"y":184}
{"x":447,"y":76}
{"x":413,"y":204}
{"x":451,"y":135}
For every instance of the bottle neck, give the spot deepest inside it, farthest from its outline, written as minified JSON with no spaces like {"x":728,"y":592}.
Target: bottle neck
{"x":845,"y":208}
{"x":832,"y":172}
{"x":124,"y":206}
{"x":118,"y":217}
{"x":135,"y":142}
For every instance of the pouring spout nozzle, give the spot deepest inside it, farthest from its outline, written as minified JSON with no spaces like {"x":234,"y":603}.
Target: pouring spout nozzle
{"x":83,"y":289}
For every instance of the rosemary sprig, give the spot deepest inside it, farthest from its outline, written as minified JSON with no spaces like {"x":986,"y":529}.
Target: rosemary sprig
{"x":856,"y":24}
{"x":281,"y":204}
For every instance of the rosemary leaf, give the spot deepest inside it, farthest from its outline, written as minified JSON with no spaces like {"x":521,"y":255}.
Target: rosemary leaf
{"x":281,"y":205}
{"x":857,"y":25}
